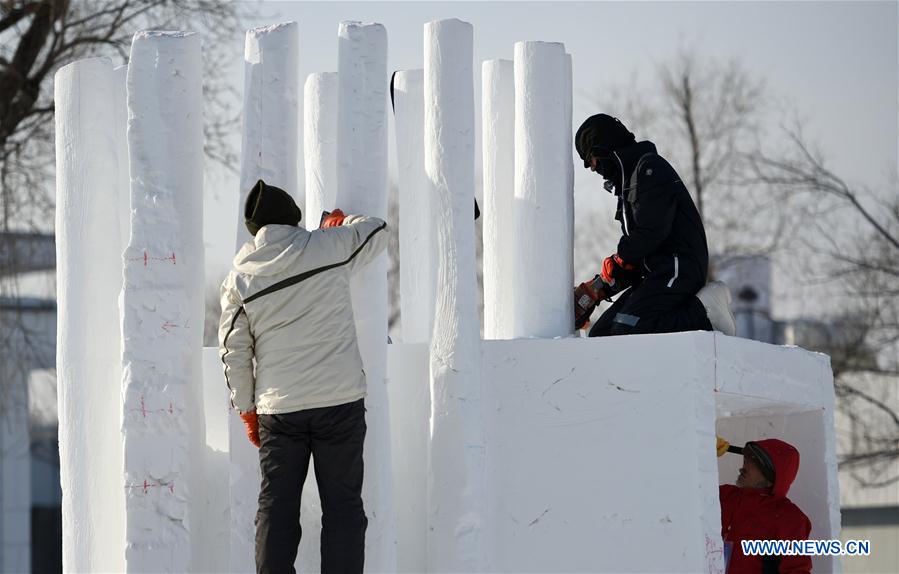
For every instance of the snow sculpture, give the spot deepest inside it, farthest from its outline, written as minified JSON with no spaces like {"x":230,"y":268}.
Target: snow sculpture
{"x":320,"y":145}
{"x":362,"y":188}
{"x":91,"y":164}
{"x":162,"y":304}
{"x":498,"y":150}
{"x":575,"y":440}
{"x":544,"y":194}
{"x":418,"y":235}
{"x":456,"y":455}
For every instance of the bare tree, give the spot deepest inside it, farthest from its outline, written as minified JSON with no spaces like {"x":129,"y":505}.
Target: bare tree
{"x":707,"y":117}
{"x":37,"y":37}
{"x":851,"y":236}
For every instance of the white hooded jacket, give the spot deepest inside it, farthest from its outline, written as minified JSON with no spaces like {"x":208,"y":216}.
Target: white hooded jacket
{"x":287,"y":305}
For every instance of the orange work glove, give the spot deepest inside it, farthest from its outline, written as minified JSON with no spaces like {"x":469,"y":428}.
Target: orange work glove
{"x":251,"y":421}
{"x":333,"y":219}
{"x":614,"y":268}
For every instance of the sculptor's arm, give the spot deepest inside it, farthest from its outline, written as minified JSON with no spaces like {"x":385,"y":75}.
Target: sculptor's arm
{"x":236,"y":348}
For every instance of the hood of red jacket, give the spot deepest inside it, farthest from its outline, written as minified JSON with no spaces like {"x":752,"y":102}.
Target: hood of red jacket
{"x":785,"y":459}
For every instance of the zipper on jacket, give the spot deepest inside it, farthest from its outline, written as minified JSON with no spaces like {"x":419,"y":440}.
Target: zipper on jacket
{"x":676,"y":270}
{"x":227,"y":350}
{"x":623,"y":199}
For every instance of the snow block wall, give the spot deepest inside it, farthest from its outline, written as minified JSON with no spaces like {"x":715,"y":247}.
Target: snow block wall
{"x":609,"y":466}
{"x":792,"y":400}
{"x":162,"y":304}
{"x":91,"y":164}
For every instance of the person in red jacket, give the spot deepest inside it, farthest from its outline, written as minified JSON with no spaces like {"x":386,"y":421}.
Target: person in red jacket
{"x":757,"y":508}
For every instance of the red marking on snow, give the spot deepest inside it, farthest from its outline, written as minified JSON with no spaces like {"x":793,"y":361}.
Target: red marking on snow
{"x":147,"y":258}
{"x":167,"y":327}
{"x":146,"y":486}
{"x":143,"y":409}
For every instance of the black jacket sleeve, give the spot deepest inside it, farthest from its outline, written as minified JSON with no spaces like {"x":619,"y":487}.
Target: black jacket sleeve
{"x":653,"y":203}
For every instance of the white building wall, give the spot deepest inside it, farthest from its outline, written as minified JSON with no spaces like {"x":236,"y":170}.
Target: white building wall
{"x":15,"y":475}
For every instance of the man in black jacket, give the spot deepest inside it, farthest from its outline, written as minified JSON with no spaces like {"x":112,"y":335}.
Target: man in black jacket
{"x":662,"y":255}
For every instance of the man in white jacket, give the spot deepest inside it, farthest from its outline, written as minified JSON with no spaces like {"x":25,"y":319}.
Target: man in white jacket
{"x":286,"y":306}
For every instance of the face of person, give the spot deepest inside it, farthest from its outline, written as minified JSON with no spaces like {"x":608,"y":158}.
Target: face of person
{"x":751,"y":475}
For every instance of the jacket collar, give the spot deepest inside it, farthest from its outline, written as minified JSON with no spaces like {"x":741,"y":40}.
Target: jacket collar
{"x":631,"y":154}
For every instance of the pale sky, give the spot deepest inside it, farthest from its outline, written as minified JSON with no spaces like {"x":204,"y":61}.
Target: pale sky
{"x":835,"y":63}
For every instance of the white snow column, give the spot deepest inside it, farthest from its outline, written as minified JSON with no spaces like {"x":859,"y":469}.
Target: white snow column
{"x":498,"y":150}
{"x":362,"y":188}
{"x":90,"y":164}
{"x":544,"y":195}
{"x":456,"y":460}
{"x":162,"y":305}
{"x":417,"y":229}
{"x":320,"y":145}
{"x":268,"y":152}
{"x":123,"y":173}
{"x":270,"y":113}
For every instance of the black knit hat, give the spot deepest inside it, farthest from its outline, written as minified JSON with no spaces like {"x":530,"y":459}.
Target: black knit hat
{"x":602,"y":131}
{"x":269,"y":204}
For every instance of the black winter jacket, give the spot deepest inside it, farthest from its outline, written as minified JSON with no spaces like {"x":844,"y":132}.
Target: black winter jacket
{"x":658,"y":217}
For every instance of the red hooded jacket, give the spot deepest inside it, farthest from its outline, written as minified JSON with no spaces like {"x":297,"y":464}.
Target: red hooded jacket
{"x":755,"y":514}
